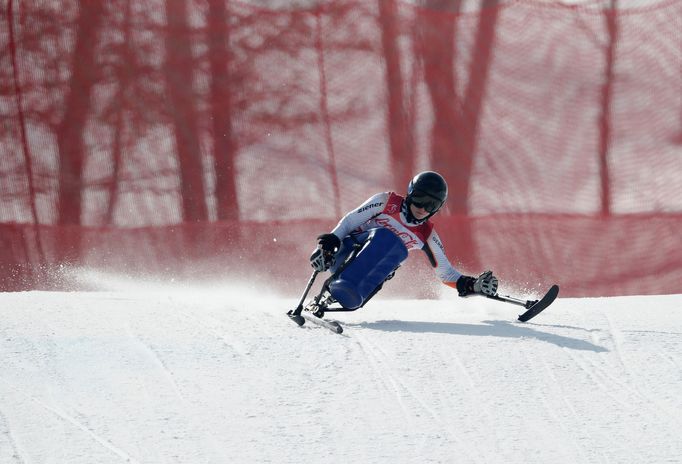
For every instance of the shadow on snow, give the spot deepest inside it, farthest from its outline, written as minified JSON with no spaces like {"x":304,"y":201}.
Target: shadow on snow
{"x":504,"y":329}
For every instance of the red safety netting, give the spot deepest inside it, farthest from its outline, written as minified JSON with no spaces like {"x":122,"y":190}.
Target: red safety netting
{"x":196,"y":138}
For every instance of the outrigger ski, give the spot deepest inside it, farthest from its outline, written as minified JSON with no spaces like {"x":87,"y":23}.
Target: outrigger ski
{"x":534,"y":307}
{"x":331,"y":325}
{"x":309,"y":316}
{"x":313,"y":311}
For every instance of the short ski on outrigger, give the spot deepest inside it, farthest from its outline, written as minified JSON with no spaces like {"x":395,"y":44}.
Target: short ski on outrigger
{"x":312,"y":312}
{"x":533,"y":307}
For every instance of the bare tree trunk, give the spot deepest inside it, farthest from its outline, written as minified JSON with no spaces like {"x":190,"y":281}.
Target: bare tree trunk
{"x":116,"y":166}
{"x":179,"y":78}
{"x":437,"y":52}
{"x":473,"y":100}
{"x":77,"y":106}
{"x":224,"y":146}
{"x":325,"y":114}
{"x":456,"y":121}
{"x":611,"y":20}
{"x":28,"y":163}
{"x":70,"y":131}
{"x":119,"y":124}
{"x":399,"y":131}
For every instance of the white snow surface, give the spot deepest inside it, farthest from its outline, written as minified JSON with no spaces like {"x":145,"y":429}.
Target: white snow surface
{"x":182,"y":374}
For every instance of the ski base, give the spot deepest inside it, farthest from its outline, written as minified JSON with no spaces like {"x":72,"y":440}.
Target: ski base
{"x":540,"y":305}
{"x":331,"y":325}
{"x":307,"y":316}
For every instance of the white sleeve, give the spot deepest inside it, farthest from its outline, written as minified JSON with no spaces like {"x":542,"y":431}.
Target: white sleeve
{"x":444,"y":270}
{"x":363,"y":213}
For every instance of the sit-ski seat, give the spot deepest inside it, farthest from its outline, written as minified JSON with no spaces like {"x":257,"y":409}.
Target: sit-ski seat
{"x":380,"y":255}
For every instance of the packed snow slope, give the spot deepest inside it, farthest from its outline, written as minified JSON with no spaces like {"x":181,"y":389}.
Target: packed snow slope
{"x":191,"y":375}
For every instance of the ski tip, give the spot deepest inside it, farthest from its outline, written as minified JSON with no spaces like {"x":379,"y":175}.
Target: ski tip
{"x":339,"y":329}
{"x":297,"y":318}
{"x":540,"y":305}
{"x":527,"y":316}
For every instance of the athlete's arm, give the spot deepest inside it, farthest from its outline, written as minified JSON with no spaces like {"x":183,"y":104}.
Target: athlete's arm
{"x":363,"y":213}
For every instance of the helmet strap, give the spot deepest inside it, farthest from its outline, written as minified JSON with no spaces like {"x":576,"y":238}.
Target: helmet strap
{"x":410,"y":217}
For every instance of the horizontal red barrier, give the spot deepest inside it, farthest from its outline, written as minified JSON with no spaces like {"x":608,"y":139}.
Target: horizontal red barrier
{"x":586,"y":256}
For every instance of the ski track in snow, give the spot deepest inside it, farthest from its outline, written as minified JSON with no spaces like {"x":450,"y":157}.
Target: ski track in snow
{"x":384,"y":367}
{"x":561,"y":410}
{"x":183,"y":404}
{"x":106,"y":444}
{"x":633,"y":379}
{"x":186,"y":376}
{"x":9,"y":451}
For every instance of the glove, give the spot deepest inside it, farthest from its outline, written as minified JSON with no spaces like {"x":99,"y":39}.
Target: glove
{"x":329,"y":242}
{"x":323,"y":257}
{"x":485,"y":284}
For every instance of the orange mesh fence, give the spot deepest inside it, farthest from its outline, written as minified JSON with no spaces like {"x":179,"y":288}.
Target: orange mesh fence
{"x":196,"y":139}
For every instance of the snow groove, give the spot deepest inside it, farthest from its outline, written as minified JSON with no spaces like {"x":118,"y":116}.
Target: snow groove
{"x":632,"y":382}
{"x":401,"y":390}
{"x":103,"y":442}
{"x":13,"y":453}
{"x":557,"y":391}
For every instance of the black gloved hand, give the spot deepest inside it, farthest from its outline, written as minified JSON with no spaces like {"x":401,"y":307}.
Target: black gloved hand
{"x":329,"y":242}
{"x":485,"y":284}
{"x":323,"y":256}
{"x":465,"y":285}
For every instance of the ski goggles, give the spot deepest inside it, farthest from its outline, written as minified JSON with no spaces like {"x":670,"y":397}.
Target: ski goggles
{"x":426,"y":202}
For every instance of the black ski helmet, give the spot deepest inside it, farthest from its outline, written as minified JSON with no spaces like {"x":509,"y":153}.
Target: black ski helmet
{"x":426,"y":190}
